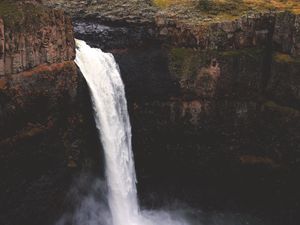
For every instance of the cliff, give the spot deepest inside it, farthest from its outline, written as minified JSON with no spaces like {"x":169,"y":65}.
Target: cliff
{"x":226,"y":26}
{"x":216,"y":89}
{"x":32,"y":35}
{"x":45,"y":116}
{"x":37,"y":45}
{"x":213,"y":98}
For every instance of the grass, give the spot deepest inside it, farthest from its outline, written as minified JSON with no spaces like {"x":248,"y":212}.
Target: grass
{"x":10,"y":13}
{"x":284,"y":110}
{"x":285,"y":58}
{"x":249,"y":52}
{"x":167,"y":3}
{"x":183,"y":61}
{"x":22,"y":17}
{"x":258,"y":160}
{"x":232,"y":7}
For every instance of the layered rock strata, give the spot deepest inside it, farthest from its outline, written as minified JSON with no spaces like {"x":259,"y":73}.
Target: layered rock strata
{"x":45,"y":114}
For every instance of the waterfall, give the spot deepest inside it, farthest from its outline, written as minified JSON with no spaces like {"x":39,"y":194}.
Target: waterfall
{"x":110,"y":112}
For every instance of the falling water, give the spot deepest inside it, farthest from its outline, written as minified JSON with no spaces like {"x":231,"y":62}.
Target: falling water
{"x":110,"y":107}
{"x":110,"y":111}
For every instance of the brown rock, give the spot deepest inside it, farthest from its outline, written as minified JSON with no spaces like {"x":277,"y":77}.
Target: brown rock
{"x":287,"y":33}
{"x":24,"y":46}
{"x":2,"y":83}
{"x":2,"y":46}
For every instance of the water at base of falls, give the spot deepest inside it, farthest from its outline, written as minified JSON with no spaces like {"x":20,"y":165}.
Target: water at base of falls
{"x":110,"y":112}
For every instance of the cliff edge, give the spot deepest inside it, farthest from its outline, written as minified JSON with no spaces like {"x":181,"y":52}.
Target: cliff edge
{"x":44,"y":113}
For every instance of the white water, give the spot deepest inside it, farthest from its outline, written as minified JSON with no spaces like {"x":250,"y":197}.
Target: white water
{"x":110,"y":107}
{"x":110,"y":111}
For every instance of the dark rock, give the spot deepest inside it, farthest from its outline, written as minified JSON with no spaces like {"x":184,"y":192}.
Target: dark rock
{"x":47,"y":131}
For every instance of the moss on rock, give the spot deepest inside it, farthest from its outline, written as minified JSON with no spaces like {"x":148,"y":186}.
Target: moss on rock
{"x":24,"y":17}
{"x":284,"y":110}
{"x":10,"y":13}
{"x":185,"y":62}
{"x":285,"y":58}
{"x":250,"y":52}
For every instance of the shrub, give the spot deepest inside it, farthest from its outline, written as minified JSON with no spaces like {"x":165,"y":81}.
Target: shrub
{"x":205,"y":4}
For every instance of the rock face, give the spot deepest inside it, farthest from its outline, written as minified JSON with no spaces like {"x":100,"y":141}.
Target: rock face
{"x":287,"y":33}
{"x":114,"y":11}
{"x":212,"y":101}
{"x":216,"y":103}
{"x":139,"y":23}
{"x":26,"y":43}
{"x":116,"y":37}
{"x":232,"y":115}
{"x":246,"y":31}
{"x":45,"y":114}
{"x":225,"y":95}
{"x":252,"y":30}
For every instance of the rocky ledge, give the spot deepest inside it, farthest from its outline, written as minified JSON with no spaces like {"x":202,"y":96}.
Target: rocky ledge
{"x":184,"y":26}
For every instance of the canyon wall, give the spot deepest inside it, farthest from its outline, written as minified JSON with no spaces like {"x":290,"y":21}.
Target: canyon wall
{"x":27,"y":42}
{"x":47,"y":133}
{"x":219,"y":93}
{"x":210,"y":77}
{"x":209,"y":124}
{"x":216,"y":103}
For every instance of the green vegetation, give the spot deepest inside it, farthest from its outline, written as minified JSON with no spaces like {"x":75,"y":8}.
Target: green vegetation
{"x":285,"y":58}
{"x":179,"y":54}
{"x":10,"y":13}
{"x":161,"y":3}
{"x":284,"y":110}
{"x":22,"y":16}
{"x":238,"y":7}
{"x":216,"y":7}
{"x":167,"y":3}
{"x":207,"y":10}
{"x":249,"y":52}
{"x":184,"y":61}
{"x":205,"y":4}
